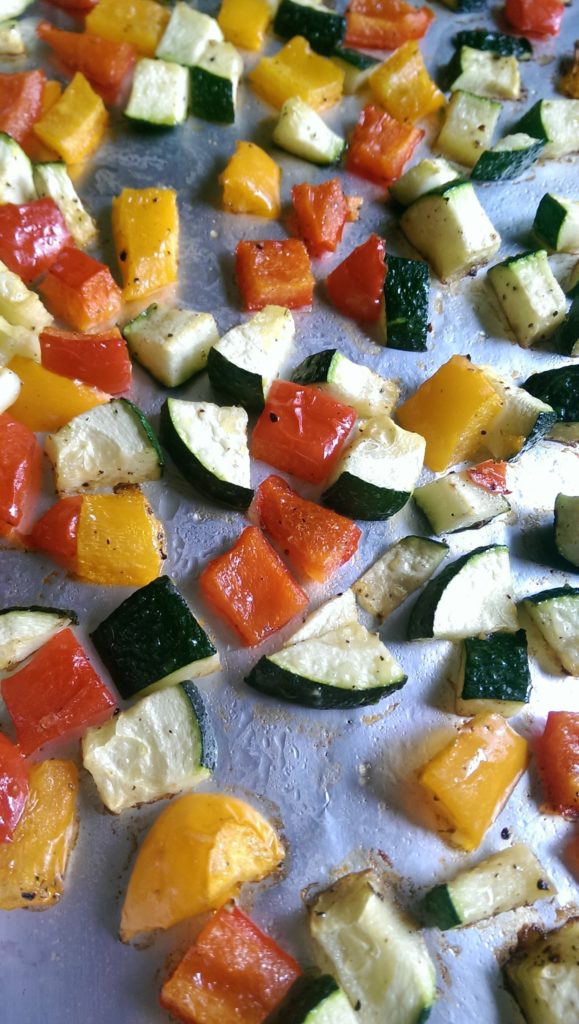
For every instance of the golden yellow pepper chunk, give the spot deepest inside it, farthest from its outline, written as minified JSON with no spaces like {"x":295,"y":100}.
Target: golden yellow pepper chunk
{"x":139,"y":22}
{"x":451,"y":410}
{"x":472,"y":777}
{"x":403,"y":86}
{"x":33,"y":865}
{"x":244,"y":22}
{"x":195,"y":858}
{"x":146,"y":234}
{"x":251,"y":182}
{"x":297,"y":71}
{"x":47,"y":401}
{"x":74,"y":126}
{"x":120,"y":542}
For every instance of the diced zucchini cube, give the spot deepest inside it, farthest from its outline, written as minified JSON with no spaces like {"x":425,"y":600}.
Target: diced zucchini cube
{"x":488,"y":74}
{"x":425,"y":176}
{"x":529,"y":295}
{"x":9,"y":388}
{"x":172,"y":344}
{"x":468,"y":127}
{"x":214,"y":82}
{"x":16,"y":181}
{"x":187,"y":34}
{"x":53,"y":180}
{"x":556,"y":223}
{"x":160,"y":93}
{"x":454,"y":503}
{"x":11,"y":41}
{"x":493,"y":674}
{"x":300,"y":130}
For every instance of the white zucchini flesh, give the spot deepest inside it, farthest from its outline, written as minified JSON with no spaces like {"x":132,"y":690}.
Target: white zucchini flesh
{"x":53,"y":180}
{"x":16,"y":181}
{"x":223,"y":61}
{"x":300,"y":130}
{"x":172,"y":344}
{"x":188,"y":32}
{"x":422,"y":178}
{"x":334,"y":1010}
{"x":159,"y":93}
{"x":10,"y":385}
{"x":529,"y":295}
{"x":101,"y":448}
{"x":567,"y":526}
{"x":383,"y":454}
{"x":17,"y":341}
{"x":561,"y":122}
{"x":396,"y":575}
{"x":11,"y":41}
{"x":544,"y":976}
{"x":350,"y":658}
{"x":454,"y":502}
{"x":217,"y":437}
{"x":488,"y":74}
{"x":557,"y":619}
{"x":359,"y":386}
{"x":20,"y":306}
{"x":332,"y":615}
{"x":377,"y":954}
{"x":478,"y":599}
{"x":469,"y":127}
{"x":261,"y":345}
{"x":24,"y":630}
{"x":14,"y":8}
{"x":507,"y":880}
{"x":147,"y":752}
{"x":516,"y":420}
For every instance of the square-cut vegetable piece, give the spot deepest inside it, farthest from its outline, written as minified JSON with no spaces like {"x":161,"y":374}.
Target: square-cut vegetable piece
{"x":274,"y":273}
{"x":172,"y":344}
{"x":13,"y":788}
{"x":81,"y":291}
{"x":529,"y":295}
{"x":451,"y":410}
{"x":47,"y":401}
{"x":385,"y":24}
{"x":75,"y":125}
{"x":101,"y":360}
{"x":543,"y":972}
{"x":56,"y":695}
{"x":119,"y":540}
{"x":56,"y":532}
{"x":403,"y":86}
{"x":187,"y":35}
{"x":321,"y":212}
{"x":557,"y":753}
{"x":33,"y":865}
{"x":251,"y":588}
{"x":20,"y":473}
{"x":251,"y":182}
{"x":139,"y":22}
{"x":159,"y":92}
{"x":302,"y":431}
{"x":146,"y":234}
{"x":32,"y":235}
{"x":356,"y":285}
{"x":233,"y":973}
{"x":538,"y":17}
{"x":380,"y":146}
{"x":469,"y":127}
{"x":493,"y":674}
{"x":296,"y":70}
{"x":472,"y":777}
{"x":20,"y":102}
{"x":244,"y":24}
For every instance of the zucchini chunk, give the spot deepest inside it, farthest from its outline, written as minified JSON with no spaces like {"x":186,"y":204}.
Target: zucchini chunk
{"x":465,"y":6}
{"x":17,"y":341}
{"x":428,"y":174}
{"x":405,"y":567}
{"x":556,"y":121}
{"x":508,"y":158}
{"x":333,"y":614}
{"x":367,"y":392}
{"x":152,"y":641}
{"x":572,"y":287}
{"x":246,"y":360}
{"x":21,"y":307}
{"x":566,"y":337}
{"x":11,"y":41}
{"x":323,"y":28}
{"x":16,"y":179}
{"x":172,"y":344}
{"x":313,"y":1001}
{"x":556,"y":223}
{"x":53,"y":180}
{"x":108,"y":445}
{"x":159,"y":93}
{"x":357,"y":67}
{"x":493,"y":674}
{"x":487,"y":73}
{"x":393,"y":980}
{"x":301,"y":131}
{"x":529,"y":295}
{"x":187,"y":35}
{"x":346,"y":667}
{"x":14,"y":8}
{"x":507,"y":880}
{"x":560,"y":388}
{"x":214,"y":83}
{"x":543,"y":976}
{"x":468,"y":127}
{"x":24,"y":630}
{"x":454,"y":502}
{"x":451,"y":230}
{"x":521,"y":422}
{"x":555,"y":613}
{"x":406,"y":294}
{"x":495,"y":42}
{"x":161,"y":745}
{"x":209,"y":445}
{"x":10,"y":385}
{"x":567,"y":527}
{"x":375,"y":477}
{"x":469,"y":597}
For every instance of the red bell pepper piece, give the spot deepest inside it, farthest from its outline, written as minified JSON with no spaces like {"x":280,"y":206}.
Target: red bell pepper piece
{"x":356,"y":286}
{"x":57,"y":694}
{"x":20,"y":102}
{"x":20,"y":474}
{"x":274,"y":273}
{"x":103,"y":61}
{"x":75,"y":6}
{"x":320,"y":214}
{"x":251,"y":588}
{"x":558,"y":762}
{"x":491,"y":476}
{"x":13,"y":787}
{"x":315,"y":540}
{"x":302,"y":431}
{"x":81,"y":291}
{"x":233,"y":973}
{"x":380,"y":146}
{"x":32,"y":235}
{"x":535,"y":17}
{"x":57,"y":530}
{"x":385,"y":24}
{"x":101,"y":360}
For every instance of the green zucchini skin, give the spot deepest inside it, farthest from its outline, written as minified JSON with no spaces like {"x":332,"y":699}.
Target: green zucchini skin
{"x":359,"y":499}
{"x":324,"y":30}
{"x":148,"y":430}
{"x":465,"y":6}
{"x":150,"y":635}
{"x":208,"y":743}
{"x":304,"y":996}
{"x":559,"y":388}
{"x":566,"y":338}
{"x":244,"y":387}
{"x":496,"y":42}
{"x":211,"y":99}
{"x":275,"y":681}
{"x":360,"y":61}
{"x":438,"y":909}
{"x":406,"y":292}
{"x":503,"y":166}
{"x":567,"y":528}
{"x":315,"y":368}
{"x":497,"y":668}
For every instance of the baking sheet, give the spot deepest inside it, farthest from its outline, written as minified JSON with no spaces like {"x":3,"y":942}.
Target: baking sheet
{"x":338,"y":784}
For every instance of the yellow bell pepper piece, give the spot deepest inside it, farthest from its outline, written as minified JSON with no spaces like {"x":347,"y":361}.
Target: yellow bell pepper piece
{"x":452,"y":410}
{"x":195,"y":858}
{"x":33,"y":865}
{"x":47,"y":401}
{"x":76,"y":123}
{"x":251,"y":182}
{"x":244,"y":22}
{"x":403,"y":86}
{"x":139,"y":22}
{"x":472,"y":777}
{"x":120,"y":542}
{"x":297,"y":71}
{"x":146,"y":234}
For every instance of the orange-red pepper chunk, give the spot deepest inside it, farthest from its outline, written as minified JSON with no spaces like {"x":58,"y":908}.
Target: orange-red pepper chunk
{"x":81,"y":291}
{"x":274,"y":274}
{"x":20,"y":102}
{"x":101,"y":360}
{"x":385,"y":24}
{"x":20,"y":473}
{"x":558,"y":762}
{"x":380,"y":146}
